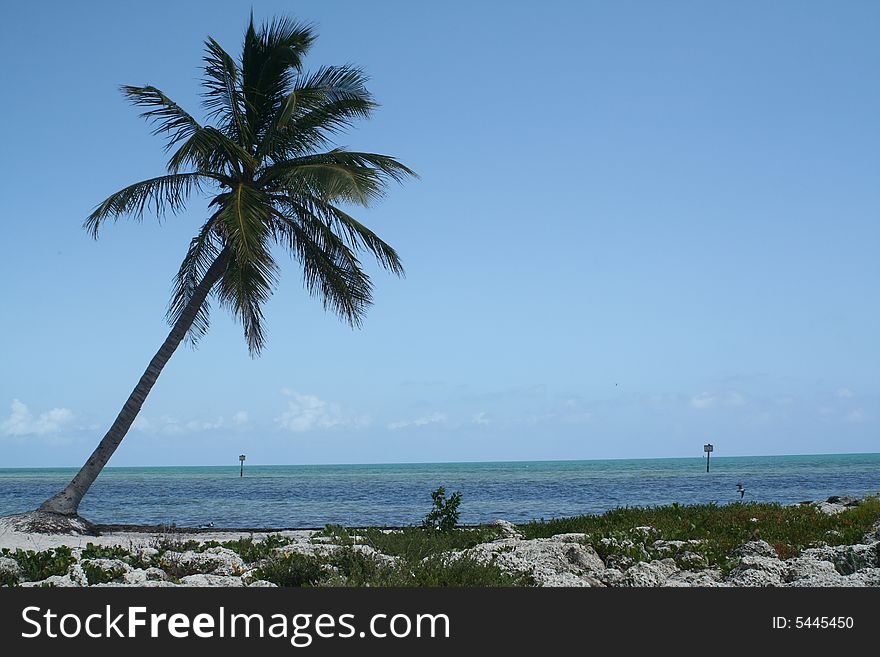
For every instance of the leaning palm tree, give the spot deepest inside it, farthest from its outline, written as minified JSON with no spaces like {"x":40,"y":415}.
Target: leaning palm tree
{"x":266,"y":157}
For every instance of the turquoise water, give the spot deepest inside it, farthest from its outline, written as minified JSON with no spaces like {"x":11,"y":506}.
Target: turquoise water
{"x":399,"y":494}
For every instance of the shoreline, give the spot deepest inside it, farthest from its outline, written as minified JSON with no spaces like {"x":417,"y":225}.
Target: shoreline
{"x":832,"y":542}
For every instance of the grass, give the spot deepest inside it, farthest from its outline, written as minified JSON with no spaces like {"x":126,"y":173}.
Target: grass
{"x":416,"y":543}
{"x":720,"y":529}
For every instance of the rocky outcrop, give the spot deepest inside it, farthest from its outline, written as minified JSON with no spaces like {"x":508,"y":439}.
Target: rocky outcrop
{"x":558,"y":561}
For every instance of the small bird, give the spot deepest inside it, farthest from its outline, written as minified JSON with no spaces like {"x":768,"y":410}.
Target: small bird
{"x":741,"y":490}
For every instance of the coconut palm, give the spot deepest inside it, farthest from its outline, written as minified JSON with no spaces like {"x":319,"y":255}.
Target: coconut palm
{"x":265,"y":155}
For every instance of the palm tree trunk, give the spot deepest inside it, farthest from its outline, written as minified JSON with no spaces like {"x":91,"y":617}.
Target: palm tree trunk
{"x":67,"y":501}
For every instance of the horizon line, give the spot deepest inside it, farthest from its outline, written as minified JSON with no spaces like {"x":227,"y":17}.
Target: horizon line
{"x":378,"y":463}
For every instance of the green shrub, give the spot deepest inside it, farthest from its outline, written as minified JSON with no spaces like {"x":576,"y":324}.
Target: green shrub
{"x":720,"y":529}
{"x":292,"y":569}
{"x":8,"y":579}
{"x":252,"y":551}
{"x":337,"y":534}
{"x":444,"y":512}
{"x":40,"y":565}
{"x":92,"y":551}
{"x":415,"y":543}
{"x":97,"y":575}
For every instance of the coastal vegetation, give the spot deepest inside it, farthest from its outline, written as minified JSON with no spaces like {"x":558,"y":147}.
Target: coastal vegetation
{"x":264,"y":154}
{"x":740,"y":544}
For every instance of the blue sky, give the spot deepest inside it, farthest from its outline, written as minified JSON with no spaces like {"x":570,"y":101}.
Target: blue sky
{"x":639,"y":227}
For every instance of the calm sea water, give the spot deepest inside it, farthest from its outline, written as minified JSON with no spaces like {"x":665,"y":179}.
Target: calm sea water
{"x":399,"y":494}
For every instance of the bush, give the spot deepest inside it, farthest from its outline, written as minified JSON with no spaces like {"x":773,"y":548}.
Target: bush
{"x":292,"y":569}
{"x":40,"y":565}
{"x":416,"y":543}
{"x":444,"y":512}
{"x":97,"y":575}
{"x":92,"y":551}
{"x":252,"y":551}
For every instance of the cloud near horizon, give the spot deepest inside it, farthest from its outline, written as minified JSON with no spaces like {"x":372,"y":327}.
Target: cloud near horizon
{"x":425,"y":420}
{"x":21,"y":422}
{"x":309,"y":412}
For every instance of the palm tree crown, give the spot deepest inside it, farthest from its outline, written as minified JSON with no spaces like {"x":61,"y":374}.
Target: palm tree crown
{"x":275,"y":176}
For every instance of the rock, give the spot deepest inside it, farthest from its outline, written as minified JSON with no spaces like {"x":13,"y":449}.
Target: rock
{"x":829,"y":508}
{"x":650,"y":573}
{"x":800,"y":568}
{"x":550,"y":561}
{"x":758,"y":571}
{"x":709,"y":577}
{"x":508,"y":529}
{"x":210,"y":580}
{"x":611,"y":577}
{"x":846,"y":500}
{"x":216,"y":561}
{"x":261,"y":583}
{"x":138,"y":577}
{"x":58,"y":581}
{"x":834,"y":579}
{"x":847,"y":559}
{"x":692,"y":560}
{"x":755,"y":549}
{"x":9,"y":568}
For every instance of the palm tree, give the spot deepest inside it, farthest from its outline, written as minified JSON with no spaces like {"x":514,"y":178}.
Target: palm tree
{"x":276,"y":181}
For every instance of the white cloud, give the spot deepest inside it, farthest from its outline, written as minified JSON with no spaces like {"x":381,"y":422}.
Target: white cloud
{"x":706,"y":400}
{"x":844,"y":393}
{"x":169,"y":425}
{"x":480,"y":418}
{"x":308,"y":413}
{"x":432,"y":418}
{"x":21,"y":422}
{"x":703,"y":400}
{"x":855,"y":417}
{"x":241,"y":417}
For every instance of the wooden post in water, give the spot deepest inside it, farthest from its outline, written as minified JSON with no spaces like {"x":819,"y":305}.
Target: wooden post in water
{"x":708,"y":449}
{"x":241,"y":458}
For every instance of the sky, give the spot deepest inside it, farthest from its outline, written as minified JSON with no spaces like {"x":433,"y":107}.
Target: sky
{"x":639,"y":227}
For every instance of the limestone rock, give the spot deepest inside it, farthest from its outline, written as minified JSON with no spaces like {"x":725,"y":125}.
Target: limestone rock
{"x":10,"y":568}
{"x":649,"y":573}
{"x":755,"y":549}
{"x":508,"y":529}
{"x":709,"y":577}
{"x":210,"y":580}
{"x":550,"y":561}
{"x":755,"y":571}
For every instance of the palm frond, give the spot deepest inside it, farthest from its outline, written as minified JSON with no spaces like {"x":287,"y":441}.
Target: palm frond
{"x":222,"y":97}
{"x":166,"y":115}
{"x":203,"y":250}
{"x":244,"y":220}
{"x":336,"y":175}
{"x":318,"y":106}
{"x":161,"y":194}
{"x":331,"y":271}
{"x":357,"y":232}
{"x":208,"y":149}
{"x":244,"y":288}
{"x":270,"y":60}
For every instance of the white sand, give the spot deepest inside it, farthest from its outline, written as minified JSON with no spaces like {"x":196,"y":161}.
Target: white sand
{"x":28,"y":541}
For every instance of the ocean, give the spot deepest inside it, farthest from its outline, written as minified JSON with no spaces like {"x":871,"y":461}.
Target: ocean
{"x":310,"y":496}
